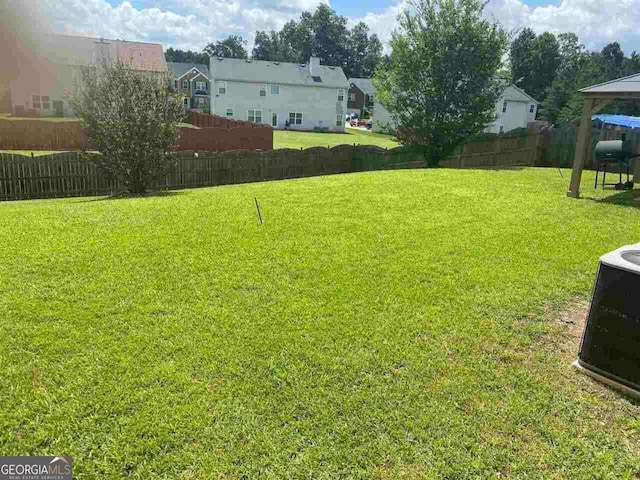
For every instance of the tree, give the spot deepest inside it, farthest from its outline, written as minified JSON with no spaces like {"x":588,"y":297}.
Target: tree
{"x":329,"y":35}
{"x":231,"y":47}
{"x":612,"y":58}
{"x":291,"y":44}
{"x":364,"y":52}
{"x":323,"y":34}
{"x":580,"y":68}
{"x":441,"y":86}
{"x":182,"y":56}
{"x":534,"y":62}
{"x":131,"y":118}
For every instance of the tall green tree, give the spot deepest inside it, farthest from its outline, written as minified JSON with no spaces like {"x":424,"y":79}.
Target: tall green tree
{"x":131,"y":118}
{"x":231,"y":47}
{"x":291,"y":44}
{"x":534,"y":62}
{"x":324,"y":34}
{"x":441,"y":85}
{"x":185,"y":56}
{"x":580,"y":68}
{"x":329,"y":35}
{"x":364,"y":52}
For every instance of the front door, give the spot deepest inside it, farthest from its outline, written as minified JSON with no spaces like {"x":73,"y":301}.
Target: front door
{"x":274,"y":119}
{"x":57,"y":108}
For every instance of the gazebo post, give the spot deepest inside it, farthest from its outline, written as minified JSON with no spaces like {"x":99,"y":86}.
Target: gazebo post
{"x":582,"y":142}
{"x":590,"y":106}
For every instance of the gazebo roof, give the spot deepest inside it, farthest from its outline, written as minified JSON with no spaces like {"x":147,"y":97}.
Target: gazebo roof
{"x":630,"y":84}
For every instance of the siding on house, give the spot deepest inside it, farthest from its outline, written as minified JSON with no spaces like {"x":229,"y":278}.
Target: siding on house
{"x":49,"y":69}
{"x":514,"y":109}
{"x":363,"y":94}
{"x":272,"y":93}
{"x":191,"y":81}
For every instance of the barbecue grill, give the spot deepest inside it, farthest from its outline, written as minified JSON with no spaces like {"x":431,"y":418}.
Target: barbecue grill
{"x":618,"y":152}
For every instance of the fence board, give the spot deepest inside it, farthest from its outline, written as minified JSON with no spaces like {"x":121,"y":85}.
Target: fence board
{"x":69,"y":174}
{"x":69,"y":135}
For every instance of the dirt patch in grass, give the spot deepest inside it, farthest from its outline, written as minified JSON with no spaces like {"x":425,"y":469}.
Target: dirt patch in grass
{"x":571,"y":319}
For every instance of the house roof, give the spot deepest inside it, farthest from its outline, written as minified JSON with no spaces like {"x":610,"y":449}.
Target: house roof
{"x":515,"y":94}
{"x":178,"y":70}
{"x":364,"y":84}
{"x":72,"y":50}
{"x":630,"y":84}
{"x":258,"y":71}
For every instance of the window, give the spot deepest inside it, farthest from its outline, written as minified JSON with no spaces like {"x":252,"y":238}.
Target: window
{"x":341,"y":95}
{"x":371,"y":99}
{"x":185,"y":83}
{"x":185,"y":102}
{"x":222,"y":88}
{"x":532,"y":108}
{"x":274,"y":119}
{"x":504,"y":106}
{"x":35,"y":101}
{"x":202,"y":86}
{"x":263,"y":91}
{"x":352,"y":97}
{"x":45,"y":103}
{"x":275,"y":89}
{"x":295,"y":119}
{"x":339,"y":121}
{"x":501,"y":129}
{"x":175,"y":84}
{"x":229,"y":112}
{"x":254,"y":116}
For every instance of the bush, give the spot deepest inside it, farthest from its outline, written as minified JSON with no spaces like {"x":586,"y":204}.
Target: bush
{"x":132,"y":118}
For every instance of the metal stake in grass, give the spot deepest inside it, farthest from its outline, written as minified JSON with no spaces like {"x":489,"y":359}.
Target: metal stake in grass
{"x":258,"y":209}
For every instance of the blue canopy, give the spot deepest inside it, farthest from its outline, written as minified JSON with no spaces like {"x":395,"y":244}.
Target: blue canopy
{"x":622,"y":120}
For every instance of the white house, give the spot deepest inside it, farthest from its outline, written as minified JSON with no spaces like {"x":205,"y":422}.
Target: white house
{"x":308,"y":96}
{"x":515,"y":109}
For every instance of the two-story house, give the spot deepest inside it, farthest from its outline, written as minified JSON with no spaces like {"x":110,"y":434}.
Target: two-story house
{"x":515,"y":109}
{"x":284,"y":95}
{"x":361,"y":97}
{"x":191,"y":81}
{"x":48,"y":70}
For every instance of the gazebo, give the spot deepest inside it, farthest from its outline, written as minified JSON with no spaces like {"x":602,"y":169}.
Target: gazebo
{"x":595,"y":98}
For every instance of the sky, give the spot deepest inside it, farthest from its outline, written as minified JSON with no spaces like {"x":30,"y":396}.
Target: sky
{"x":191,"y":24}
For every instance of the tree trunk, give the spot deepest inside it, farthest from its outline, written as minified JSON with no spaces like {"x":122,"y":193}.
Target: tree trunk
{"x":137,"y":184}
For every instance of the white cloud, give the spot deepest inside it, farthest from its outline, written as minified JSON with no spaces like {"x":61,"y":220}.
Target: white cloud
{"x":185,"y":24}
{"x":596,"y":22}
{"x":190,"y":24}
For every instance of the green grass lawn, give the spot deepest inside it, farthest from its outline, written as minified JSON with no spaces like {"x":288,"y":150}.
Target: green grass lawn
{"x":393,"y":324}
{"x":291,"y":139}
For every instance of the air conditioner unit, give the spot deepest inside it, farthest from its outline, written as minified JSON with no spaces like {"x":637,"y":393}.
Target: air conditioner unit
{"x":610,"y":348}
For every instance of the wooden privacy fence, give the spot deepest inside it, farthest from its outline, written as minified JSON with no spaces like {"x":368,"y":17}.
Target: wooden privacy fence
{"x":41,"y":135}
{"x":68,"y":174}
{"x":69,"y":135}
{"x":560,"y":144}
{"x":498,"y":151}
